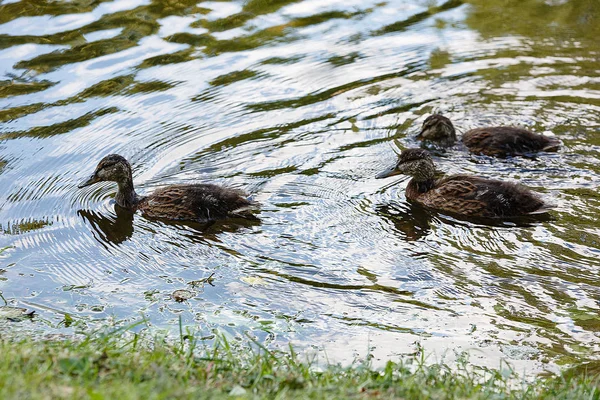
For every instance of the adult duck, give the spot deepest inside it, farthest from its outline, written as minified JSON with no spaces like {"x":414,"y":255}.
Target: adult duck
{"x":466,"y":195}
{"x":193,"y":202}
{"x":496,"y":141}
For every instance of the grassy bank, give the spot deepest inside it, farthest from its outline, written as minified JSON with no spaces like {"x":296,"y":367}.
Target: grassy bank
{"x":108,"y":367}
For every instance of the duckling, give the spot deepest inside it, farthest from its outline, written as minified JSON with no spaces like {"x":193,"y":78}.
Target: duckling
{"x":195,"y":202}
{"x":465,"y":195}
{"x":496,"y":141}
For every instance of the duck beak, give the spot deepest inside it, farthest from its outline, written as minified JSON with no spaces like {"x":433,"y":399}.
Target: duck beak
{"x":424,"y":128}
{"x":90,"y":181}
{"x":393,"y":170}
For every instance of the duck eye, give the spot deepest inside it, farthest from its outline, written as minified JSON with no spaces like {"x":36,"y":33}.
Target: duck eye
{"x":106,"y":165}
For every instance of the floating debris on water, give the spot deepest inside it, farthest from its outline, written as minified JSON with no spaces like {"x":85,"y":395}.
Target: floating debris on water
{"x":182,"y":295}
{"x":15,"y":314}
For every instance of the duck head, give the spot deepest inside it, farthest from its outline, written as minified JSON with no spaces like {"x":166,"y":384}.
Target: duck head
{"x":113,"y":168}
{"x":437,"y":128}
{"x":413,"y":162}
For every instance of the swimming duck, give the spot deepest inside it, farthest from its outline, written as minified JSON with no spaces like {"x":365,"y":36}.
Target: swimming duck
{"x":195,"y":202}
{"x":463,"y":194}
{"x":497,"y":141}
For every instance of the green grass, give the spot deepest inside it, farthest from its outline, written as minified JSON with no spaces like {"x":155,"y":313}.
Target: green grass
{"x":112,"y":367}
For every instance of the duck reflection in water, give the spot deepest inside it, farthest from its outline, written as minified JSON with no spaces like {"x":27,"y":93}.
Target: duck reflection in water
{"x":118,"y":228}
{"x":113,"y":229}
{"x":410,"y":220}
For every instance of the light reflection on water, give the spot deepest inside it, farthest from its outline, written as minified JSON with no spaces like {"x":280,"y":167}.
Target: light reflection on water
{"x":297,"y":102}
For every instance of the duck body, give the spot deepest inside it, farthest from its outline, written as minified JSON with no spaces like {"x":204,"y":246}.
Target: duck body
{"x":503,"y":141}
{"x":194,"y":202}
{"x":495,"y":141}
{"x":465,"y":195}
{"x":475,"y":196}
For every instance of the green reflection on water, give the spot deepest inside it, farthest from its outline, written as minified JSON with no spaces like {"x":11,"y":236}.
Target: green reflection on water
{"x":20,"y":227}
{"x":21,"y":87}
{"x":542,"y":20}
{"x":61,"y":127}
{"x":232,"y":77}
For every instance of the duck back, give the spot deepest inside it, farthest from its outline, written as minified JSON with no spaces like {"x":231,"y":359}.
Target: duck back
{"x":502,"y":141}
{"x":197,"y":202}
{"x":477,"y":197}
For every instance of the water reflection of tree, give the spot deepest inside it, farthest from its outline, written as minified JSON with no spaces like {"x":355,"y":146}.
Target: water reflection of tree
{"x":573,"y":19}
{"x":24,"y":226}
{"x":145,"y":20}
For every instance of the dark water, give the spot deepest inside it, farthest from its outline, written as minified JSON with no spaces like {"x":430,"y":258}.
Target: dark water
{"x":298,"y":102}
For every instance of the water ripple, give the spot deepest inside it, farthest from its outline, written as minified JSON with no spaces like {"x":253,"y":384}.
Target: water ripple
{"x":302,"y":103}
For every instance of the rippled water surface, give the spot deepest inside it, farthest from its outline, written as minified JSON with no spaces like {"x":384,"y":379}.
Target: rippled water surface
{"x":302,"y":103}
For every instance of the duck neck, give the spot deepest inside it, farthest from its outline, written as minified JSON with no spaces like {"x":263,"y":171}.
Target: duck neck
{"x":126,"y":196}
{"x":416,"y":187}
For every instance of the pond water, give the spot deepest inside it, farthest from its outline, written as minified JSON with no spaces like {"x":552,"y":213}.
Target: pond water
{"x":302,"y":103}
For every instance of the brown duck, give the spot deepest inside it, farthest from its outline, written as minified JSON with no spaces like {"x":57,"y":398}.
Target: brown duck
{"x":195,"y":202}
{"x":463,"y":194}
{"x":496,"y":141}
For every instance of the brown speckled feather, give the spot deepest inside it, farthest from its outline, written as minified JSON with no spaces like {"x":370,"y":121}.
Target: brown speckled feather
{"x":475,"y":196}
{"x":502,"y":141}
{"x":198,"y":202}
{"x":466,"y":195}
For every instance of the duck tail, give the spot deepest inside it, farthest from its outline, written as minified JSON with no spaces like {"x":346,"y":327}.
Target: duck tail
{"x":246,"y":211}
{"x":552,"y":144}
{"x":544,"y":208}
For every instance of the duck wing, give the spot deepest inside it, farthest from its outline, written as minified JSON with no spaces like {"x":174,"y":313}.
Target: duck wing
{"x":502,"y":141}
{"x":475,"y":196}
{"x":197,"y":202}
